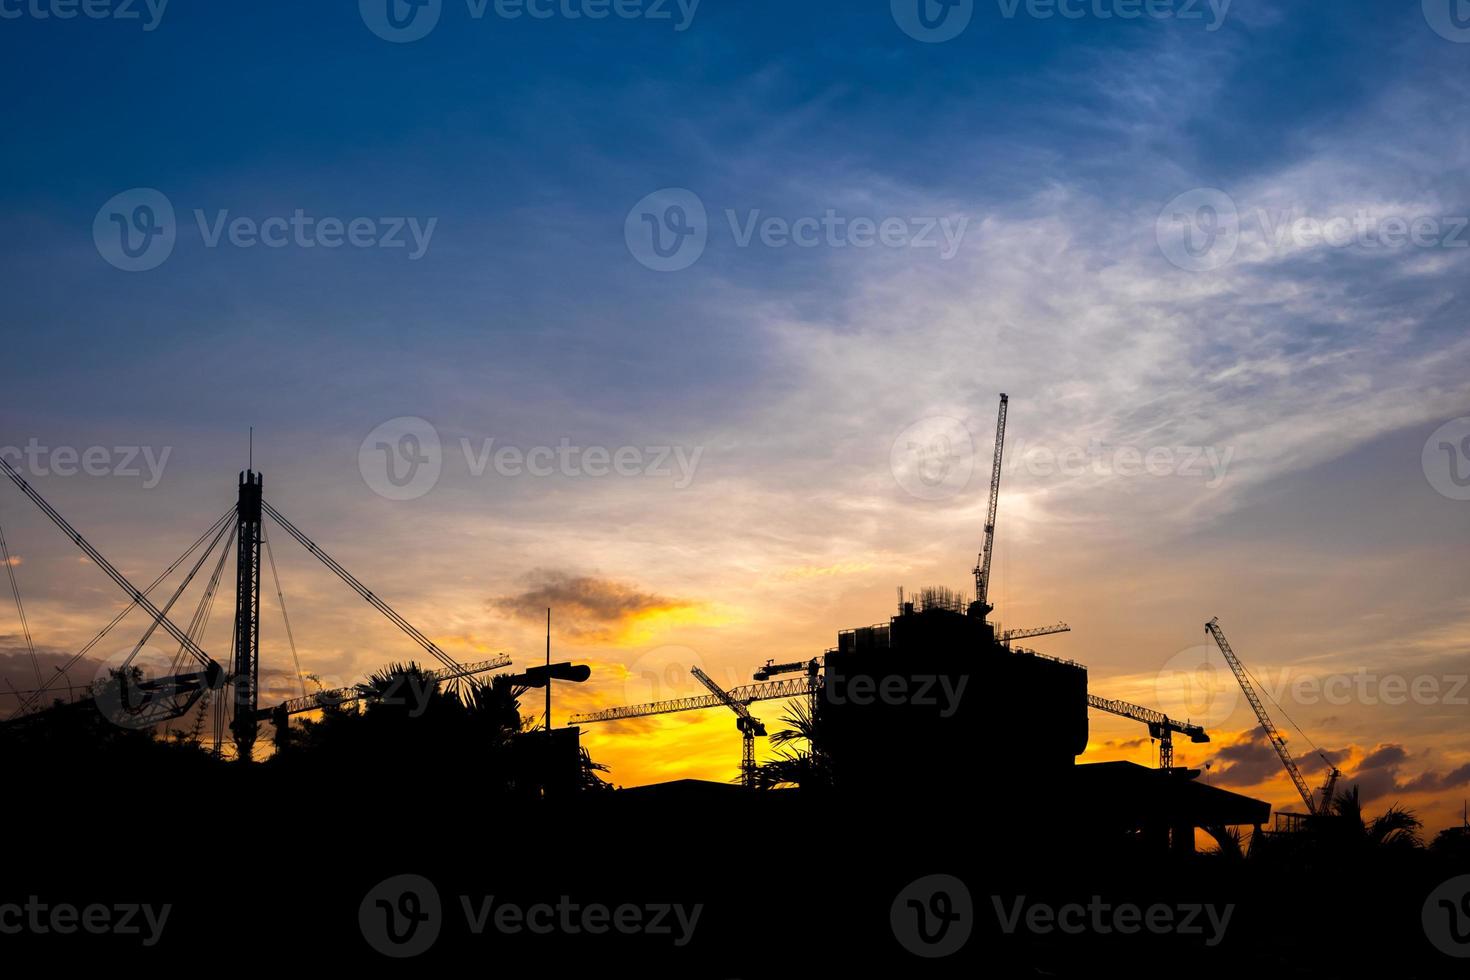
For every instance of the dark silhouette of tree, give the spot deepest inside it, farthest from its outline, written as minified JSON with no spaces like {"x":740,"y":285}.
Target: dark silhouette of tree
{"x":805,"y":768}
{"x":1346,"y":825}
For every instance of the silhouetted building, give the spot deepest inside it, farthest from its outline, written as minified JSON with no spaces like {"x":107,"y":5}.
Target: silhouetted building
{"x":547,"y":764}
{"x":932,"y":702}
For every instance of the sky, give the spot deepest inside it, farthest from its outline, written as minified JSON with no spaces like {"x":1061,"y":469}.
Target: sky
{"x":690,"y":320}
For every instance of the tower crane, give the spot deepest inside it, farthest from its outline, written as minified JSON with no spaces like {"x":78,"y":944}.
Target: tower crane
{"x":746,"y":694}
{"x":982,"y":565}
{"x":1273,"y":734}
{"x":750,"y":726}
{"x":1160,"y":725}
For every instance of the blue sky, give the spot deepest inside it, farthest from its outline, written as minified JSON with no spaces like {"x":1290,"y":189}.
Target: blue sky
{"x":1058,"y":146}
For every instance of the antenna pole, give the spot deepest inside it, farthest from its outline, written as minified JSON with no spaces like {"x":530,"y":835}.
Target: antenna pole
{"x":548,"y":668}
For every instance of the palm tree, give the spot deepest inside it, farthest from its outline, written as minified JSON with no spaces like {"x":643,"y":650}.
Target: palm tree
{"x":807,"y":768}
{"x":1344,"y":824}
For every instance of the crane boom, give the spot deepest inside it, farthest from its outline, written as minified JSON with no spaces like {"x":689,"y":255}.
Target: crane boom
{"x":750,"y":726}
{"x":1148,"y":716}
{"x":718,"y":692}
{"x":982,"y":566}
{"x":1022,"y":634}
{"x":1277,"y":740}
{"x":770,"y":691}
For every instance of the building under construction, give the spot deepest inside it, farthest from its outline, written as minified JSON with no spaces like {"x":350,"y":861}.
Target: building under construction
{"x":938,"y":705}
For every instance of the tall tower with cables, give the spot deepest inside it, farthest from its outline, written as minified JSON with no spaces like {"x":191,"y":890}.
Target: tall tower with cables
{"x":245,"y":669}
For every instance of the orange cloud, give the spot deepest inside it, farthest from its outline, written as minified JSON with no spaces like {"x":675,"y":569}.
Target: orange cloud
{"x":595,"y":610}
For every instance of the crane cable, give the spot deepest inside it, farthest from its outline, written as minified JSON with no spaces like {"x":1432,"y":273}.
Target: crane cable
{"x":185,"y":641}
{"x":377,"y":603}
{"x":200,"y":626}
{"x":77,"y":657}
{"x":20,"y":608}
{"x":200,"y":621}
{"x":102,"y":563}
{"x":285,"y":617}
{"x":1305,"y":737}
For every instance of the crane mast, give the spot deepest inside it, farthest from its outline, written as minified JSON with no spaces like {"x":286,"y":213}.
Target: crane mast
{"x":1273,"y":735}
{"x":749,"y":725}
{"x":982,"y":566}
